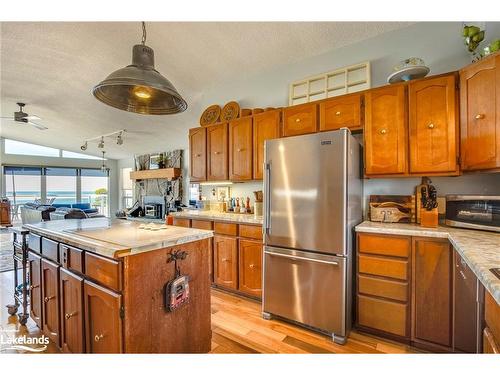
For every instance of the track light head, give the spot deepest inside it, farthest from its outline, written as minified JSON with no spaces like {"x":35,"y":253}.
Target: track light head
{"x":84,"y":146}
{"x":101,"y":143}
{"x":119,"y":139}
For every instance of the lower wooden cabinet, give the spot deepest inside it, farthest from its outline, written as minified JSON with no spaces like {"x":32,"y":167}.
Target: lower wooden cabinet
{"x":225,"y":261}
{"x":72,"y":312}
{"x":489,"y":343}
{"x":50,"y":300}
{"x":103,"y":330}
{"x":432,"y":291}
{"x":35,"y":288}
{"x":250,"y":267}
{"x":491,"y":334}
{"x":383,"y":315}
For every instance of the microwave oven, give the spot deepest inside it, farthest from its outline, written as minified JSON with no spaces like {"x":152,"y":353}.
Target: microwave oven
{"x":473,"y":211}
{"x":153,"y":211}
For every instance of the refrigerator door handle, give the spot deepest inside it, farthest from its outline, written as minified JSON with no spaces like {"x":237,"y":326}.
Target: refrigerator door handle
{"x":267,"y":198}
{"x":302,"y":258}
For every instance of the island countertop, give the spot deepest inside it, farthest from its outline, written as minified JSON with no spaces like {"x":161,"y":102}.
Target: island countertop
{"x":479,"y":249}
{"x":219,"y":216}
{"x":115,"y":238}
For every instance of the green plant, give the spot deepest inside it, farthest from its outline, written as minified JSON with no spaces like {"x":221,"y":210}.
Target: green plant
{"x":473,"y":36}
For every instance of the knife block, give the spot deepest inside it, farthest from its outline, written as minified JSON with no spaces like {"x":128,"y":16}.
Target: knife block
{"x":429,"y":219}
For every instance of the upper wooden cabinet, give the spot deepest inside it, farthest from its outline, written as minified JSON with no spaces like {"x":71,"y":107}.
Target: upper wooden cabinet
{"x":385,"y":132}
{"x":300,"y":119}
{"x":240,"y":149}
{"x":433,"y":125}
{"x":217,"y":155}
{"x":198,"y":154}
{"x":341,"y":112}
{"x":479,"y":114}
{"x":266,"y":125}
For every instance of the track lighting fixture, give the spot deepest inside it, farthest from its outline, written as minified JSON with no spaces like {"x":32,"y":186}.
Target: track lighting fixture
{"x":104,"y":168}
{"x":101,"y":143}
{"x":84,"y":146}
{"x":100,"y":138}
{"x":119,"y":139}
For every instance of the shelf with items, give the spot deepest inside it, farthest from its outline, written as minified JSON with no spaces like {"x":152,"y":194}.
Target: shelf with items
{"x":148,"y":174}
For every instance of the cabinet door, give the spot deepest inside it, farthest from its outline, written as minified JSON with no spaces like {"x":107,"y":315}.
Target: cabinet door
{"x":250,"y":267}
{"x":432,"y":292}
{"x":35,"y":289}
{"x":341,"y":112}
{"x":103,"y":323}
{"x":480,"y":122}
{"x":72,"y":333}
{"x":433,"y":125}
{"x":198,"y":154}
{"x":50,"y":298}
{"x":385,"y":131}
{"x":266,"y":125}
{"x":217,"y":152}
{"x":300,"y":119}
{"x":240,"y":149}
{"x":226,"y":261}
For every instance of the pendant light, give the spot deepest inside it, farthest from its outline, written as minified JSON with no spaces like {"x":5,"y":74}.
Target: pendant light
{"x":104,"y":167}
{"x":139,"y":87}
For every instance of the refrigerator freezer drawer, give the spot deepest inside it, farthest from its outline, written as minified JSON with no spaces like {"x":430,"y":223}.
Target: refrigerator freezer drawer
{"x":306,"y":288}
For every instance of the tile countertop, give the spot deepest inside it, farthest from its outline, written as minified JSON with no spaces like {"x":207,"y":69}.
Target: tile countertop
{"x":480,"y":249}
{"x":115,"y":238}
{"x":219,"y":216}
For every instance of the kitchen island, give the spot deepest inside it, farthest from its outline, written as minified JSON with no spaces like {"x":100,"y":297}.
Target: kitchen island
{"x":99,"y":286}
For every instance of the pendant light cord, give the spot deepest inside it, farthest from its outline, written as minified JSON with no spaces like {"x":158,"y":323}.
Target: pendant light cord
{"x":143,"y":33}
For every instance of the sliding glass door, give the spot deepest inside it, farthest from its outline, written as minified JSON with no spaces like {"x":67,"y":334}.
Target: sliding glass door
{"x":61,"y":185}
{"x":23,"y":184}
{"x":94,"y":188}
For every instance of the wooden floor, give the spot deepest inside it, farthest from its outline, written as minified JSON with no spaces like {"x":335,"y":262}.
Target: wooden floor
{"x":237,"y":327}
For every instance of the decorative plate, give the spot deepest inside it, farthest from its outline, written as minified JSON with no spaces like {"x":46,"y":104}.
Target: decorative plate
{"x":210,"y":115}
{"x":408,"y":69}
{"x":231,"y":111}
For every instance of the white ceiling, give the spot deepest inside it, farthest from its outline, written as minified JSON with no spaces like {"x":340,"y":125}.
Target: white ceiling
{"x":53,"y":66}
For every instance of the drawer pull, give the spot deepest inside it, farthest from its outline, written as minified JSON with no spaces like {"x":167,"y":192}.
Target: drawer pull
{"x":431,"y":126}
{"x":337,"y":113}
{"x":198,"y":155}
{"x":293,"y":257}
{"x":297,"y":120}
{"x":216,"y":152}
{"x":225,"y":260}
{"x":68,"y":316}
{"x":47,"y":299}
{"x":239,"y":150}
{"x":479,"y":116}
{"x":383,"y":131}
{"x":34,"y":286}
{"x":97,"y":338}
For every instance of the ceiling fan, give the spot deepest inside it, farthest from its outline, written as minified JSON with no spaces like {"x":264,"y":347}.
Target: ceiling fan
{"x":21,"y":116}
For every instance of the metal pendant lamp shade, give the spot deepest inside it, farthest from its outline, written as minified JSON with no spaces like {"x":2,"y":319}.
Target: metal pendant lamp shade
{"x":139,"y":87}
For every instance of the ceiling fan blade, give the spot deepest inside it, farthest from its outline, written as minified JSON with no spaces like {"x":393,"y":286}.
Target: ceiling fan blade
{"x":32,"y":117}
{"x":7,"y":117}
{"x":38,"y":126}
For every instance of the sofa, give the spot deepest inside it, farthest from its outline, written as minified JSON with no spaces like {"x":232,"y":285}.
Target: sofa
{"x":85,"y":207}
{"x":35,"y":213}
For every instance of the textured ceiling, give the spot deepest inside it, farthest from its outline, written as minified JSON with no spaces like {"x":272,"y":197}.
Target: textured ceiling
{"x":53,"y":66}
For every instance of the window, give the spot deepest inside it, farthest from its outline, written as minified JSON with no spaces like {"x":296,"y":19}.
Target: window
{"x":127,"y":188}
{"x":77,"y":155}
{"x":23,"y":184}
{"x":94,"y":189}
{"x":61,"y":185}
{"x":22,"y":148}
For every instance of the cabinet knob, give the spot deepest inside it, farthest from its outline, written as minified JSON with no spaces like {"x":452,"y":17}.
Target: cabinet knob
{"x":383,"y":131}
{"x":251,"y":265}
{"x":198,"y":155}
{"x":68,"y":316}
{"x":297,"y":120}
{"x":47,"y":299}
{"x":216,"y":152}
{"x":98,"y":337}
{"x":337,"y":113}
{"x":224,"y":259}
{"x":479,"y":116}
{"x":431,"y":126}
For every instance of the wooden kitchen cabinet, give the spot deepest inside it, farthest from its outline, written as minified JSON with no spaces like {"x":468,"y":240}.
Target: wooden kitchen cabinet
{"x":432,"y":285}
{"x":341,"y":112}
{"x":50,"y":300}
{"x":433,"y":125}
{"x":35,"y":288}
{"x":491,"y":334}
{"x":385,"y":131}
{"x":266,"y":125}
{"x":240,"y":149}
{"x":103,"y":329}
{"x":479,"y":117}
{"x":300,"y":119}
{"x":198,"y":154}
{"x":226,"y":261}
{"x":217,"y":153}
{"x":72,"y":312}
{"x":250,"y":267}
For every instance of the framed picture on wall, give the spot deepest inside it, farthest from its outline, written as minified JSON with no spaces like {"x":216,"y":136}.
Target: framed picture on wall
{"x":222,"y":193}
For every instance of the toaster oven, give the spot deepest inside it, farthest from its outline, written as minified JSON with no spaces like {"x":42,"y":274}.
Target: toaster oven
{"x":473,"y":211}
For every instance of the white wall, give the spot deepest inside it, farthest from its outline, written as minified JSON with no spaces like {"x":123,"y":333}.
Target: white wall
{"x":24,"y":160}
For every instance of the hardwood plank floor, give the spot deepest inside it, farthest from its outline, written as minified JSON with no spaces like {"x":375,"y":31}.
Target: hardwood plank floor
{"x":237,"y":327}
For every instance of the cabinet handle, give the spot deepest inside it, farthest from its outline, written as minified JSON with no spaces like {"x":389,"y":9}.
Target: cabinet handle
{"x":47,"y":299}
{"x":98,"y":337}
{"x":251,"y":266}
{"x":68,"y":316}
{"x":479,"y":116}
{"x":430,"y":126}
{"x":198,"y":155}
{"x":383,"y":131}
{"x":34,"y":286}
{"x":337,"y":113}
{"x":224,"y":259}
{"x":239,"y":150}
{"x":297,"y":120}
{"x":216,"y":152}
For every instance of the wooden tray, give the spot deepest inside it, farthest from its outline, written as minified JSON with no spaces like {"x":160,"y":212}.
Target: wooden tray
{"x":211,"y":115}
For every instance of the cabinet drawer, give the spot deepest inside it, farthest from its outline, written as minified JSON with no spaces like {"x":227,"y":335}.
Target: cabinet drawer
{"x":383,"y":315}
{"x":50,"y":249}
{"x":202,"y":224}
{"x":340,"y":112}
{"x":489,"y":343}
{"x":398,"y":246}
{"x":180,"y":222}
{"x":397,"y":269}
{"x":301,"y":119}
{"x":35,"y":243}
{"x":104,"y":270}
{"x":71,"y":258}
{"x":383,"y":288}
{"x":228,"y":229}
{"x":251,"y":231}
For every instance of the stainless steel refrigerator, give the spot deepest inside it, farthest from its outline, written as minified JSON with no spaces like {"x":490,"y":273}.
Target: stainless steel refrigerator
{"x":312,"y":201}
